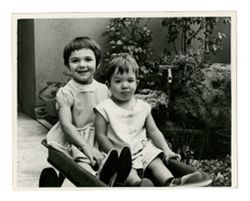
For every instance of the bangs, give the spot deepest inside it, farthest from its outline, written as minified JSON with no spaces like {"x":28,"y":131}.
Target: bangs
{"x":82,"y":43}
{"x":124,"y":66}
{"x":123,"y":62}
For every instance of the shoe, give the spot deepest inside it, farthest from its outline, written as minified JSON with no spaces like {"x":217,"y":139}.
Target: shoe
{"x":124,"y":166}
{"x":108,"y":167}
{"x":187,"y":179}
{"x":49,"y":178}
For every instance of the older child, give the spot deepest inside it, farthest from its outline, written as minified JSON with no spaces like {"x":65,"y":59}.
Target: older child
{"x":74,"y":133}
{"x":123,"y":119}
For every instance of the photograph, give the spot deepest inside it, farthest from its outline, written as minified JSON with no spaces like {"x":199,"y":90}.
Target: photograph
{"x":124,"y":100}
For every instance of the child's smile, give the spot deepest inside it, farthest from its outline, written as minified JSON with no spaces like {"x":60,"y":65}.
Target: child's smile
{"x":82,"y":65}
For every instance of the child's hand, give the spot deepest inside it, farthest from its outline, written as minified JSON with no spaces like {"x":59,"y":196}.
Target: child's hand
{"x":170,"y":155}
{"x":94,"y":155}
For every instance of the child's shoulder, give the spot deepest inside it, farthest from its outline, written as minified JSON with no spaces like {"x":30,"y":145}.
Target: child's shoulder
{"x":142,"y":102}
{"x":100,"y":86}
{"x":143,"y":105}
{"x":103,"y":105}
{"x":65,"y":89}
{"x":105,"y":102}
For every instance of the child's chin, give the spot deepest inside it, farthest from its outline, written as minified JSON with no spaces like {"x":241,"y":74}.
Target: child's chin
{"x":124,"y":99}
{"x":84,"y":81}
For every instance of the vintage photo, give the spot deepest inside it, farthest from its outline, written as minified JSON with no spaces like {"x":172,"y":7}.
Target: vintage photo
{"x":124,"y":100}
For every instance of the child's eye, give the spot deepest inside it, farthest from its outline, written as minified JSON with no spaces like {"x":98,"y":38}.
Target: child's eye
{"x":74,"y":60}
{"x":131,"y":80}
{"x":89,"y":59}
{"x":117,"y":81}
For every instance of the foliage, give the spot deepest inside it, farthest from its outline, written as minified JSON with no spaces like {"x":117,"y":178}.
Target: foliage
{"x":200,"y":95}
{"x":183,"y":31}
{"x":186,"y":104}
{"x":129,"y":35}
{"x":217,"y":93}
{"x":197,"y":100}
{"x":218,"y":169}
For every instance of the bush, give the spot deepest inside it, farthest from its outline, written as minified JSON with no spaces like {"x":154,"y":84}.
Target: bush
{"x":130,"y":35}
{"x":218,"y":169}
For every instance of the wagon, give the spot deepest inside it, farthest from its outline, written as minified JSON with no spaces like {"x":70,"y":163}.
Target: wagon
{"x":80,"y":177}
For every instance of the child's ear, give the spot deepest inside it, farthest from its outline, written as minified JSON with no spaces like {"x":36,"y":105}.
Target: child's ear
{"x":137,"y":82}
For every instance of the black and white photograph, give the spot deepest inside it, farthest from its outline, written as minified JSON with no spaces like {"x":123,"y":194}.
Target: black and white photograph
{"x":125,"y":100}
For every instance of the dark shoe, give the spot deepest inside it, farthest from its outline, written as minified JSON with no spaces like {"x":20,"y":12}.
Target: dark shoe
{"x":108,"y":167}
{"x":49,"y":178}
{"x":124,"y":166}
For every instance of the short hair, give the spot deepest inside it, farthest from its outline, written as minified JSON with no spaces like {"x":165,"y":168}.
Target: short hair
{"x":81,"y":43}
{"x":123,"y":62}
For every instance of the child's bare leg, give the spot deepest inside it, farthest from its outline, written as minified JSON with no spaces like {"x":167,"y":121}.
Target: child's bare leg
{"x":134,"y":180}
{"x":159,"y":171}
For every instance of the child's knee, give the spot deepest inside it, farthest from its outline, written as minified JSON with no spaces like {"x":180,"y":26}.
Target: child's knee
{"x":155,"y":164}
{"x":133,"y":178}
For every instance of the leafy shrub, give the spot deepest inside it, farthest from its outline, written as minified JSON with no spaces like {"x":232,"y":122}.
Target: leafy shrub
{"x":218,"y":169}
{"x":184,"y":31}
{"x":130,"y":35}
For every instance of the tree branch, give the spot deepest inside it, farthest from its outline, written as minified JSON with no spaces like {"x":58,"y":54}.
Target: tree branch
{"x":198,"y":30}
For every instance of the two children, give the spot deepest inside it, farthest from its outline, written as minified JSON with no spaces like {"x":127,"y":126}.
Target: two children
{"x":74,"y":134}
{"x":121,"y":125}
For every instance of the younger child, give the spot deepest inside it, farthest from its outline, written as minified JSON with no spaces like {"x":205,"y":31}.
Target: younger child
{"x":74,"y":133}
{"x":123,"y":119}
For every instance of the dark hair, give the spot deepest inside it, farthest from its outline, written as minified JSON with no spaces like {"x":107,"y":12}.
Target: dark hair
{"x":80,"y":43}
{"x":123,"y":62}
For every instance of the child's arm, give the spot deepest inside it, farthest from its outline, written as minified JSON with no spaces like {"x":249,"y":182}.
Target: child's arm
{"x":157,"y":137}
{"x":73,"y":136}
{"x":100,"y":131}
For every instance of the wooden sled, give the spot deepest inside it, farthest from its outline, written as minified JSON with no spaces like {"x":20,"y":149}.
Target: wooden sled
{"x":82,"y":178}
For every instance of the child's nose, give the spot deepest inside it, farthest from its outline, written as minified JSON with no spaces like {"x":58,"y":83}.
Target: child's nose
{"x":124,"y":84}
{"x":82,"y":63}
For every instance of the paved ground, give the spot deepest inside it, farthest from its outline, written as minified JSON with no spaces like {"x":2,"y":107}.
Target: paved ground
{"x":31,"y":156}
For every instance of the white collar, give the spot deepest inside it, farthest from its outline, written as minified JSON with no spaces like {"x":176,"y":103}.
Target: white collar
{"x":83,"y":88}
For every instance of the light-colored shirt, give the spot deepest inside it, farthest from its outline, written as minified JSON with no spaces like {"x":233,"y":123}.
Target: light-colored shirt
{"x":125,"y":126}
{"x":81,"y":99}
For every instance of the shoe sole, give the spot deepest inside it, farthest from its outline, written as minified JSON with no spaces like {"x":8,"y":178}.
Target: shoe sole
{"x":124,"y":165}
{"x":191,"y":178}
{"x":109,"y":167}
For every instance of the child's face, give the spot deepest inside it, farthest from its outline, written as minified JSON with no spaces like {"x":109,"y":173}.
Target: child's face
{"x":123,"y":86}
{"x":82,"y":65}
